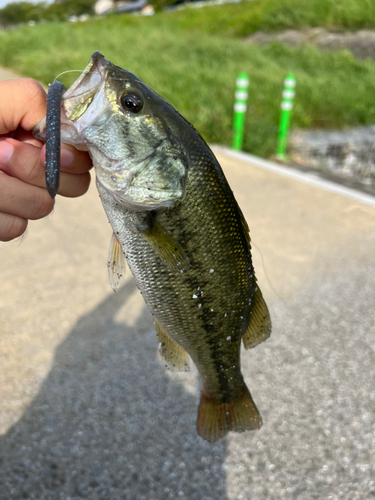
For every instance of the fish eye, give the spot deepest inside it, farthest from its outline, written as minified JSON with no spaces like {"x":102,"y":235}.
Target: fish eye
{"x":131,"y":102}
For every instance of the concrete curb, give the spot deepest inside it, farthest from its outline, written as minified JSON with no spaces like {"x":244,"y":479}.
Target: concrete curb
{"x":307,"y":178}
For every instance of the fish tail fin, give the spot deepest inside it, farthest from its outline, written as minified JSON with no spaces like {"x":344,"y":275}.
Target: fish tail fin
{"x":217,"y":417}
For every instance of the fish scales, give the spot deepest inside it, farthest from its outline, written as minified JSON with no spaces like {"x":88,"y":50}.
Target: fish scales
{"x":185,"y":240}
{"x":170,"y":293}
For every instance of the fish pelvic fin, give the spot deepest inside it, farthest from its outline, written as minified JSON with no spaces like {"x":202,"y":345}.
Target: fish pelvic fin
{"x":115,"y":263}
{"x":260,"y":325}
{"x":216,"y":418}
{"x":174,"y":356}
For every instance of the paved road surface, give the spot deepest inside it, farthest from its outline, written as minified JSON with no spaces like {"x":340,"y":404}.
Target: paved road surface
{"x":89,"y":412}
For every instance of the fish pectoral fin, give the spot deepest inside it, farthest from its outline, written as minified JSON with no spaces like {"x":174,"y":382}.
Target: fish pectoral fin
{"x":166,"y":247}
{"x":174,"y":356}
{"x":115,"y":263}
{"x":259,"y":328}
{"x":216,"y":417}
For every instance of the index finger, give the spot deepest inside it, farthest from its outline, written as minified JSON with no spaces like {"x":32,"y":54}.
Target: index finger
{"x":22,"y":104}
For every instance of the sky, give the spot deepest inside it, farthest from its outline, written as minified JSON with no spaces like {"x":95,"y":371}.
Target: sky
{"x":3,"y":3}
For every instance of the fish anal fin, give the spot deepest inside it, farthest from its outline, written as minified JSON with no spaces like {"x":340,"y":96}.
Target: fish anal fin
{"x":168,"y":249}
{"x":116,"y":263}
{"x":216,"y":418}
{"x":174,"y":356}
{"x":260,"y":325}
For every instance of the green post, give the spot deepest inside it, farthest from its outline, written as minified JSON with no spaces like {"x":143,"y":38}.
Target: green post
{"x":240,"y":106}
{"x":286,"y":109}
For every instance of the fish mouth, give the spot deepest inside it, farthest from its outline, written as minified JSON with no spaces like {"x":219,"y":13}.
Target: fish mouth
{"x":81,"y":93}
{"x":77,"y":99}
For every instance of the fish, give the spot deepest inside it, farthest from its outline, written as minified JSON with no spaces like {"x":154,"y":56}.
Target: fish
{"x":177,"y":225}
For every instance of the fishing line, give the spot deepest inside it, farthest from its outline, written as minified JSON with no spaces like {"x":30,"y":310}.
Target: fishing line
{"x":68,"y":71}
{"x":161,"y":95}
{"x":265,"y":274}
{"x":89,"y":91}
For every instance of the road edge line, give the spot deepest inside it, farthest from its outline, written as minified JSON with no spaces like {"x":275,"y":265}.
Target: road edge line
{"x":306,"y":178}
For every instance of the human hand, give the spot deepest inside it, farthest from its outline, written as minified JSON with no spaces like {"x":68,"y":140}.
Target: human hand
{"x":23,"y":193}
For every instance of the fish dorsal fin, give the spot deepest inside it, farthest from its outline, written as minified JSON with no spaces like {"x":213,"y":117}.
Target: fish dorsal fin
{"x":259,"y":328}
{"x":166,"y":246}
{"x":245,"y":227}
{"x":116,"y":263}
{"x":175,"y":357}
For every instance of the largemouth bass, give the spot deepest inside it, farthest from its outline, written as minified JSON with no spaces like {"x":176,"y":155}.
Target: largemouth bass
{"x":185,"y":239}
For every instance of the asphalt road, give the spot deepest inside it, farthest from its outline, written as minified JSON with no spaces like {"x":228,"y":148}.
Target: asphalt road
{"x":88,"y":411}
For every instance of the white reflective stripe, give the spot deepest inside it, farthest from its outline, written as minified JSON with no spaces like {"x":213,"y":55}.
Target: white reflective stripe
{"x":288,"y":94}
{"x":242,"y":82}
{"x":241,"y":95}
{"x":287,"y":106}
{"x":239,"y":107}
{"x":289,"y":82}
{"x":307,"y":178}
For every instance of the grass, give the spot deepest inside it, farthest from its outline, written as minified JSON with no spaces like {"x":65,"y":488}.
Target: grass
{"x":197,"y":73}
{"x":239,"y":20}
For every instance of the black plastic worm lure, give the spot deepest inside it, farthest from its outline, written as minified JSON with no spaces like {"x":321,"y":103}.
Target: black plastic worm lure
{"x":53,"y":137}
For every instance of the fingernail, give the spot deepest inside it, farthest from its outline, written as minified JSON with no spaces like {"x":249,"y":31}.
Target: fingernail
{"x":66,"y":157}
{"x":6,"y":151}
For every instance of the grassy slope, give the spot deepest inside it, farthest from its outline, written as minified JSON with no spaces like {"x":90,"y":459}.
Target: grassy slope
{"x":239,"y":20}
{"x":197,"y":74}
